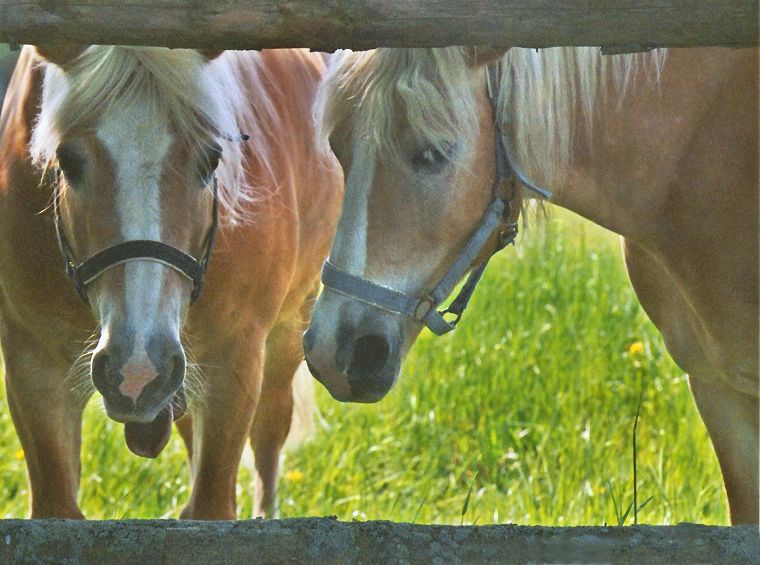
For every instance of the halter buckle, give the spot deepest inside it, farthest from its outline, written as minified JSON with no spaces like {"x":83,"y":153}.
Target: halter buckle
{"x":423,"y":308}
{"x":507,"y":235}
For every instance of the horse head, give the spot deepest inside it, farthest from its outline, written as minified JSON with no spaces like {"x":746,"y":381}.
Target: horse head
{"x":133,"y":134}
{"x":424,"y":203}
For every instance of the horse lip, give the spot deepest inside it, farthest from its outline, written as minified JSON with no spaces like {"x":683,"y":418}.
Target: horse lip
{"x":345,"y":394}
{"x":341,"y":394}
{"x":138,"y":417}
{"x":372,"y":398}
{"x":313,"y":370}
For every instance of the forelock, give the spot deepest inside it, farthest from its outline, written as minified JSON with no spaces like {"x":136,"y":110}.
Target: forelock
{"x":375,"y":93}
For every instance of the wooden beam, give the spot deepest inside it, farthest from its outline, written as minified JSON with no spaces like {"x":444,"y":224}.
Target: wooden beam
{"x":363,"y":24}
{"x":324,"y":540}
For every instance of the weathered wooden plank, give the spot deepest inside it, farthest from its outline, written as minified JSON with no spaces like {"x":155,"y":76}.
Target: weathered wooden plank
{"x":363,"y":24}
{"x":322,"y":540}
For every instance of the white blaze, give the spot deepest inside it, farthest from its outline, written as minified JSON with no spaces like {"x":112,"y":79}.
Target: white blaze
{"x":138,"y":141}
{"x":349,"y":251}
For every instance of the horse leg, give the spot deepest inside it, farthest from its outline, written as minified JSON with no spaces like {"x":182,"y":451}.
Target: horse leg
{"x":221,"y":422}
{"x":272,"y":420}
{"x":47,"y":415}
{"x":731,"y":418}
{"x":185,"y":428}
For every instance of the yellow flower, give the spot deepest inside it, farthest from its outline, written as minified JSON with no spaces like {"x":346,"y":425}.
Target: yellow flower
{"x":635,"y":348}
{"x":19,"y":455}
{"x":293,"y":476}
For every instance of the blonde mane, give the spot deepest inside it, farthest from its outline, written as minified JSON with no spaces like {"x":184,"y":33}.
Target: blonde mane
{"x":544,"y":98}
{"x":203,"y":102}
{"x":370,"y":89}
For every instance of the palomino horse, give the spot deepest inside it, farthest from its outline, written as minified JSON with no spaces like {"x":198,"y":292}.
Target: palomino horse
{"x":661,"y":148}
{"x":127,"y":156}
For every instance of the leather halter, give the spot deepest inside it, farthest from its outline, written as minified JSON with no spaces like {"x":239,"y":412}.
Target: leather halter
{"x":88,"y":270}
{"x":497,"y":220}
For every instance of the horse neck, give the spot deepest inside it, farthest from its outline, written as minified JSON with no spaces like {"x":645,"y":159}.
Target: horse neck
{"x":19,"y":111}
{"x":633,"y":172}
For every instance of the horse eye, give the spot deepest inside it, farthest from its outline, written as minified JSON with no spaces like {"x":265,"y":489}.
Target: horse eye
{"x":430,"y":160}
{"x":71,"y":164}
{"x":209,"y":162}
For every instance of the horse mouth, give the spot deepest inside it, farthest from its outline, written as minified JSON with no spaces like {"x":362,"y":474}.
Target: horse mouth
{"x":148,"y":439}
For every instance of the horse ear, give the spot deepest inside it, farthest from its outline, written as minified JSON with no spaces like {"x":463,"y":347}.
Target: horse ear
{"x":59,"y":53}
{"x":484,"y":54}
{"x":210,"y":54}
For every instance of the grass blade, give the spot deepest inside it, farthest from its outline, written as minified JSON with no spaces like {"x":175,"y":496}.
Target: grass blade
{"x":467,"y":498}
{"x":635,"y":453}
{"x":419,"y":509}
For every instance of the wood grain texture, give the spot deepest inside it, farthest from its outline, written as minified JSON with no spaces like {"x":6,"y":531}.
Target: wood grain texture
{"x":363,"y":24}
{"x":325,"y":540}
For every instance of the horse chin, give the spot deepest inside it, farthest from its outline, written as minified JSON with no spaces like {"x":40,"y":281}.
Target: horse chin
{"x":368,"y":397}
{"x":146,"y":433}
{"x":353,"y":387}
{"x":149,"y":439}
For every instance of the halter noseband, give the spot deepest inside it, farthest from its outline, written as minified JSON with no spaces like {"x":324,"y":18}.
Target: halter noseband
{"x":496,"y":220}
{"x":88,"y":270}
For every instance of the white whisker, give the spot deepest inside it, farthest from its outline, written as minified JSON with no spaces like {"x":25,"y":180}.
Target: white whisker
{"x":78,"y":376}
{"x":195,"y":379}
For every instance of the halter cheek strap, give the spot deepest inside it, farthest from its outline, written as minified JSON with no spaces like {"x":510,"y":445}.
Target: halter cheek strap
{"x":84,"y":273}
{"x":424,"y":309}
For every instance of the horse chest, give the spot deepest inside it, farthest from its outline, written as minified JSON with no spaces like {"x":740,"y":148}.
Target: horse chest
{"x":708,"y":318}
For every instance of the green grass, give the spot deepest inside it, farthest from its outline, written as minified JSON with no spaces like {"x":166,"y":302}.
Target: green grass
{"x":524,"y":414}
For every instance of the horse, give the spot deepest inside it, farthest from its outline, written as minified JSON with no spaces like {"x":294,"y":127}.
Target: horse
{"x":117,"y":165}
{"x":442,"y":146}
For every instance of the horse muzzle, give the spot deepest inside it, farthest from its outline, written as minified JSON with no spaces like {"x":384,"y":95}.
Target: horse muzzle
{"x":143,"y":391}
{"x":359,"y":361}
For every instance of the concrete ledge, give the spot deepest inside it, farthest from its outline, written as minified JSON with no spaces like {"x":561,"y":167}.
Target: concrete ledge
{"x":325,"y":540}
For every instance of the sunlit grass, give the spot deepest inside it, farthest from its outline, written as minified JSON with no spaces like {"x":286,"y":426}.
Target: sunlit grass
{"x":525,"y":412}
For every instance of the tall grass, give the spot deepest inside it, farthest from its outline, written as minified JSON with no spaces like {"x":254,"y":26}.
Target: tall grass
{"x":524,"y":414}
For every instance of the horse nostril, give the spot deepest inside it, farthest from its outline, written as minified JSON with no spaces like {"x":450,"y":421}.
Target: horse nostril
{"x":177,"y":370}
{"x":99,"y":370}
{"x":370,"y":354}
{"x":309,"y":337}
